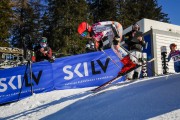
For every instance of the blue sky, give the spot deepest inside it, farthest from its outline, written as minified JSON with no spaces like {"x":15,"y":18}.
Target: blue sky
{"x":172,"y":8}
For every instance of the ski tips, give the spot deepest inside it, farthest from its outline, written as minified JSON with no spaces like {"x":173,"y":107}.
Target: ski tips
{"x":95,"y":90}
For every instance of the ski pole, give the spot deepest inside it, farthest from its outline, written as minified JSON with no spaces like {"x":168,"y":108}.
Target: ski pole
{"x":110,"y":58}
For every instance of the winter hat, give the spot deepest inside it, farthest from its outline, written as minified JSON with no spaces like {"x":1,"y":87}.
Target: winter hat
{"x":44,"y":40}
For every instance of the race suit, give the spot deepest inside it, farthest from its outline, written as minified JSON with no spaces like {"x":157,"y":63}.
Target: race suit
{"x":107,"y":32}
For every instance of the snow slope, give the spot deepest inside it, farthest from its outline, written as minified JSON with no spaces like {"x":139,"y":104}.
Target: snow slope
{"x":155,"y":98}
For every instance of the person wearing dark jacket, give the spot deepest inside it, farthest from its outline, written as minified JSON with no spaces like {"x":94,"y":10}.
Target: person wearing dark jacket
{"x":43,"y":51}
{"x":135,"y":42}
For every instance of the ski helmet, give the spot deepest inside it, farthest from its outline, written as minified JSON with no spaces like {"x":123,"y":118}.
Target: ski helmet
{"x":83,"y":29}
{"x":135,"y":26}
{"x":172,"y":45}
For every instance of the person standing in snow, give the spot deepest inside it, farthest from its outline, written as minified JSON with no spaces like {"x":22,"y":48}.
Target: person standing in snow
{"x":135,"y":42}
{"x":104,"y":34}
{"x":175,"y":55}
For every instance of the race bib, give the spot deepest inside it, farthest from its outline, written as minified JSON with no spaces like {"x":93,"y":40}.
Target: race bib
{"x":176,"y":58}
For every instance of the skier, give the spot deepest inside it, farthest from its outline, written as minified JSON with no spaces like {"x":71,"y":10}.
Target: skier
{"x":175,"y":55}
{"x":108,"y":33}
{"x":135,"y":43}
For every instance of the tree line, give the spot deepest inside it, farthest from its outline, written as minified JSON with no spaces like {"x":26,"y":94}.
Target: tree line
{"x":24,"y":22}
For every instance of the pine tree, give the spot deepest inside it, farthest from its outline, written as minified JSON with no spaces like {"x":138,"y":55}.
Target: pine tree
{"x":135,"y":10}
{"x":4,"y":43}
{"x":64,"y":17}
{"x":6,"y":21}
{"x":27,"y":28}
{"x":104,"y":10}
{"x":150,"y":9}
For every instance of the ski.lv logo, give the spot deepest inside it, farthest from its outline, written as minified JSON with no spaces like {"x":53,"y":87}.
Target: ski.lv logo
{"x":15,"y":82}
{"x":81,"y":69}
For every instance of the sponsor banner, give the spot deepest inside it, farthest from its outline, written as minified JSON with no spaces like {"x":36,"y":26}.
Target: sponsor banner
{"x":148,"y":50}
{"x":15,"y":83}
{"x":85,"y":70}
{"x":79,"y":71}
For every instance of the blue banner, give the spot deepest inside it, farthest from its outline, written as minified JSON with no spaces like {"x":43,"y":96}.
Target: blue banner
{"x":149,"y":51}
{"x":78,"y":71}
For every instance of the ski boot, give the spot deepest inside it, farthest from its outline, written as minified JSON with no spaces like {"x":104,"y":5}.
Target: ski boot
{"x":128,"y":65}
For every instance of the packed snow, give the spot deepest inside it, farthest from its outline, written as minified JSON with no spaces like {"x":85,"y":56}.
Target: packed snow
{"x":156,"y":98}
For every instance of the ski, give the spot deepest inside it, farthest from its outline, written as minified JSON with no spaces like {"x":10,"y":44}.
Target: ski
{"x":117,"y":78}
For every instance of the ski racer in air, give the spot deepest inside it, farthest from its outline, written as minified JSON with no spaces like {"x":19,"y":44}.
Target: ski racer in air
{"x":104,"y":34}
{"x":175,"y":55}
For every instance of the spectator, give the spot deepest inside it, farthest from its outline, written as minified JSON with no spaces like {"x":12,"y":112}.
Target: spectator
{"x":104,"y":34}
{"x":43,"y":51}
{"x":90,"y":46}
{"x":175,"y":55}
{"x":135,"y":43}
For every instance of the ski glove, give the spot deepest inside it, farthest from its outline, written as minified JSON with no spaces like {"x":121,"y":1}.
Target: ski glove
{"x":116,"y":40}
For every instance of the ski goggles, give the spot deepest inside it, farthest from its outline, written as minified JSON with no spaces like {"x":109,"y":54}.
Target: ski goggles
{"x":84,"y":34}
